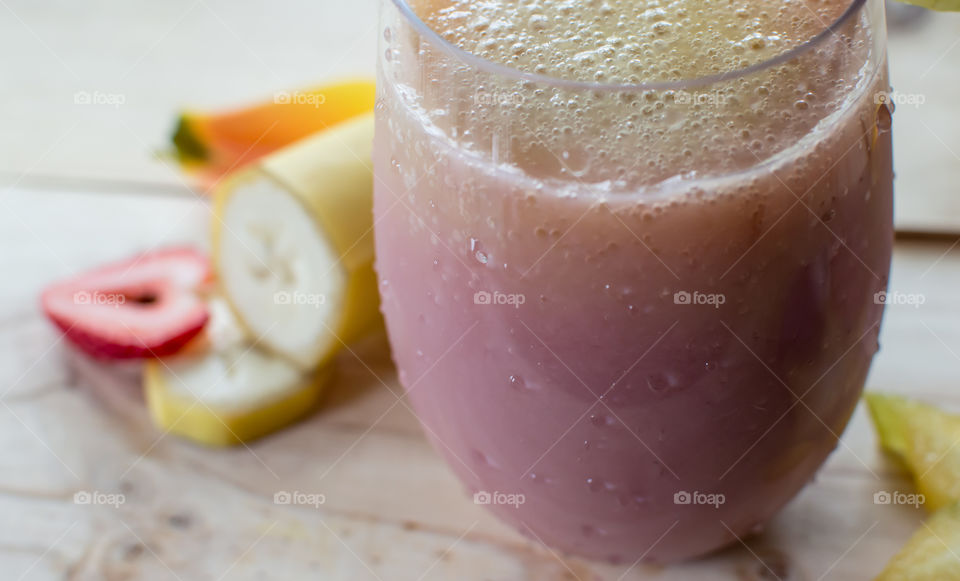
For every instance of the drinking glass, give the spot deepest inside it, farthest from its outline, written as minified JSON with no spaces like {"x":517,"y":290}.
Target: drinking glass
{"x":634,"y":318}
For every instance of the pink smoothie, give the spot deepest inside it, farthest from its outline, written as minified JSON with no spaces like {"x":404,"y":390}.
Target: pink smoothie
{"x":653,"y":362}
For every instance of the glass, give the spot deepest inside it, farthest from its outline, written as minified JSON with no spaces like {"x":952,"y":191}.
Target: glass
{"x":639,"y":333}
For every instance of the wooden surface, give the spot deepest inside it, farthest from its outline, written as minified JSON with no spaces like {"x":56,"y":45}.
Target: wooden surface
{"x":80,"y":186}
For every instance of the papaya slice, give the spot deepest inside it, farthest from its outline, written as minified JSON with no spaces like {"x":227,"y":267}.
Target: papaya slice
{"x":210,"y":145}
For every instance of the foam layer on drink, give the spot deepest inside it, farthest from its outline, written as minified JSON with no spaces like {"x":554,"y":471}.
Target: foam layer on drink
{"x":629,"y":41}
{"x":627,"y":139}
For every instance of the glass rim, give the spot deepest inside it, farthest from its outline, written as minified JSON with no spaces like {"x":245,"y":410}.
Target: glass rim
{"x":507,"y":71}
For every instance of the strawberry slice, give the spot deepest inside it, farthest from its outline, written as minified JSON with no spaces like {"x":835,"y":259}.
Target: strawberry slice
{"x":148,"y":306}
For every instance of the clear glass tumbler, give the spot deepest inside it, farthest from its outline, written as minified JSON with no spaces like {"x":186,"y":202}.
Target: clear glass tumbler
{"x":634,"y":319}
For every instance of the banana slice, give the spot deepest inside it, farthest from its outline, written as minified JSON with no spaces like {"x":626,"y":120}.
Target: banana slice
{"x":224,"y":390}
{"x":293,"y":244}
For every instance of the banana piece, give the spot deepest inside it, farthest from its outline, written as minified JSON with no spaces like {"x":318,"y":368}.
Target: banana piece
{"x":293,"y":244}
{"x":224,"y":390}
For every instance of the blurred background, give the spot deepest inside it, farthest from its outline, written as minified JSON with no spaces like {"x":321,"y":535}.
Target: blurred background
{"x":89,"y":94}
{"x":141,"y":62}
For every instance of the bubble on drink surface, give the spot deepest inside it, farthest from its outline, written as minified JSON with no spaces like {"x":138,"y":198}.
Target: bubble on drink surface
{"x":634,"y":138}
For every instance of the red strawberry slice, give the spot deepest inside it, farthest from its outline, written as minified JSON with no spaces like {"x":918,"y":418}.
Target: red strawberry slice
{"x":145,"y":307}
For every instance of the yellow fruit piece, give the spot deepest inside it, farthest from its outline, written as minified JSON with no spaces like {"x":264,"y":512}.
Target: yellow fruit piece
{"x":186,"y":414}
{"x":932,"y":552}
{"x":293,"y":244}
{"x":926,"y":440}
{"x":941,"y":5}
{"x":222,"y":390}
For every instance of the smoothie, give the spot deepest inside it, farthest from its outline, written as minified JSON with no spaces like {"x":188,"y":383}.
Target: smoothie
{"x":638,"y":317}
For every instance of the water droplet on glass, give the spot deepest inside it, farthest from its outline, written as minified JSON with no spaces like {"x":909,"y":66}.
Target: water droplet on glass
{"x":478,"y":253}
{"x":601,"y":420}
{"x":884,"y":117}
{"x":520,"y":383}
{"x":661,"y":382}
{"x":482,"y":459}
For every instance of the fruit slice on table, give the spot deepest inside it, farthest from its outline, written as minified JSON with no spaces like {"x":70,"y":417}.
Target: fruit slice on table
{"x":227,"y":391}
{"x":926,"y":440}
{"x":213,"y":144}
{"x":293,"y":244}
{"x":148,"y":306}
{"x":942,"y":5}
{"x":932,"y":552}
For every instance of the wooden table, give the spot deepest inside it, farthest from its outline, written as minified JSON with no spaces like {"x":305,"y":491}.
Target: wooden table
{"x":79,"y":186}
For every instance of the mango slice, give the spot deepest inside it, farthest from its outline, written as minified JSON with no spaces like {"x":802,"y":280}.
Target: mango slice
{"x":926,"y":440}
{"x":932,"y":554}
{"x":941,"y":5}
{"x":210,"y":145}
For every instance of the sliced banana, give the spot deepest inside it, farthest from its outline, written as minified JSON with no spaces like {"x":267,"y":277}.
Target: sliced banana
{"x":225,"y":390}
{"x":293,"y":244}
